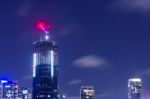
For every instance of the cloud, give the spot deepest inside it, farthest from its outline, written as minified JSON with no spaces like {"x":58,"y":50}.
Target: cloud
{"x":133,"y":5}
{"x":27,"y":77}
{"x":75,"y":82}
{"x":24,"y":9}
{"x":26,"y":80}
{"x":74,"y":97}
{"x":70,"y":28}
{"x":145,"y":72}
{"x":26,"y":37}
{"x":103,"y":95}
{"x":90,"y":61}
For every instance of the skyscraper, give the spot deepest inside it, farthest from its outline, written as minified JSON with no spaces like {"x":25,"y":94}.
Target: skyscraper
{"x":134,"y":88}
{"x":87,"y":92}
{"x":45,"y":69}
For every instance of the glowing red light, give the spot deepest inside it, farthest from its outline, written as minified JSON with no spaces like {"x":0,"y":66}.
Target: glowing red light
{"x":41,"y":25}
{"x":44,"y":26}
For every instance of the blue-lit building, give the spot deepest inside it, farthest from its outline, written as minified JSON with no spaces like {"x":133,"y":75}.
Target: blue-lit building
{"x":45,"y":69}
{"x":23,"y":93}
{"x":9,"y":89}
{"x":134,"y":88}
{"x":87,"y":92}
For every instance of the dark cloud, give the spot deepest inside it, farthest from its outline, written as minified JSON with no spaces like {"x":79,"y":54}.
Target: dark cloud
{"x":75,"y":82}
{"x":133,"y":5}
{"x":102,"y":95}
{"x":73,"y":97}
{"x":70,"y":28}
{"x":24,"y":9}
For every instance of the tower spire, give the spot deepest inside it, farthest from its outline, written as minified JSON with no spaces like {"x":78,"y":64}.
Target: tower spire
{"x":44,"y":28}
{"x":45,"y":66}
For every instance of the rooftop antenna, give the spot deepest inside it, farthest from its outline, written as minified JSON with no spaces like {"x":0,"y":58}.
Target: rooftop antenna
{"x":44,"y":27}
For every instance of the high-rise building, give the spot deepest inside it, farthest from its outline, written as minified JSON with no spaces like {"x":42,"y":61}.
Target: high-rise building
{"x":134,"y":88}
{"x":1,"y":87}
{"x":29,"y":93}
{"x":8,"y":89}
{"x":23,"y":93}
{"x":45,"y":69}
{"x":87,"y":92}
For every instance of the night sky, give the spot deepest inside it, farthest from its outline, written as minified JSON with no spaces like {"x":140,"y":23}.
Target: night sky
{"x":102,"y":43}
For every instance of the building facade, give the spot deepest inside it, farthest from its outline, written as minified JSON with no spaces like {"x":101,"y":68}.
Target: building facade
{"x":23,"y":93}
{"x":8,"y":89}
{"x":45,"y":69}
{"x":134,"y":88}
{"x":87,"y":92}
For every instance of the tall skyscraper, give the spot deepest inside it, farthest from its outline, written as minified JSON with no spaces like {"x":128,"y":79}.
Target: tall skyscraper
{"x":87,"y":92}
{"x":45,"y":68}
{"x":134,"y":88}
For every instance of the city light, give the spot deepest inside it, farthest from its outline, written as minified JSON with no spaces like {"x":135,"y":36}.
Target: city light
{"x":43,"y":26}
{"x":3,"y":81}
{"x":34,"y":64}
{"x":52,"y":63}
{"x":46,"y":37}
{"x":64,"y":96}
{"x":135,"y":79}
{"x":7,"y":86}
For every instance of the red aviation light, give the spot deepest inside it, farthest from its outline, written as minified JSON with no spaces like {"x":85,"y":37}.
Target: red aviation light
{"x":42,"y":26}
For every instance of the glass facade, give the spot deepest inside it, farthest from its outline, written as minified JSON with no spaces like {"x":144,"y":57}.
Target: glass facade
{"x":87,"y":92}
{"x":1,"y":90}
{"x":23,"y":93}
{"x":134,"y":88}
{"x":45,"y":70}
{"x":10,"y":90}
